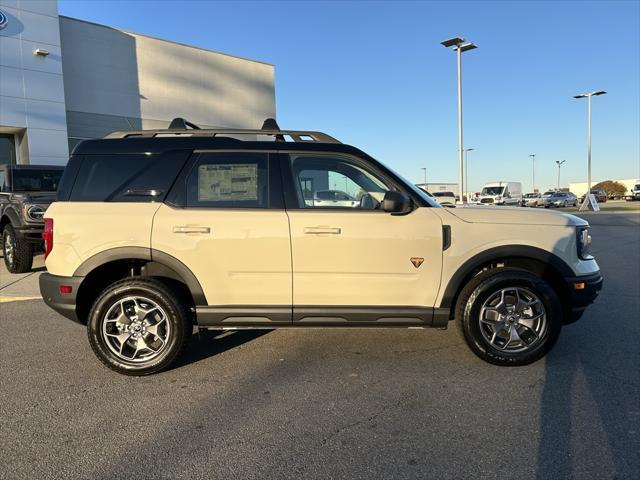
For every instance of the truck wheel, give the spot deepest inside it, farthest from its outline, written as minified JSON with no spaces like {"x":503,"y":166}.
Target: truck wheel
{"x":138,"y":326}
{"x":509,"y":316}
{"x":18,"y":254}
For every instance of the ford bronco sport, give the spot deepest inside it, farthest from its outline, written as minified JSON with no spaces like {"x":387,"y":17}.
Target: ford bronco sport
{"x":154,"y":232}
{"x":25,"y":193}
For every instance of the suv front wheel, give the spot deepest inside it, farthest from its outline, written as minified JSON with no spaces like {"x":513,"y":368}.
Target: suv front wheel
{"x":18,"y":254}
{"x":509,"y":316}
{"x":138,"y":326}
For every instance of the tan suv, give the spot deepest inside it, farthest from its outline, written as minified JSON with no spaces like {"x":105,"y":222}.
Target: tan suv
{"x":157,"y":231}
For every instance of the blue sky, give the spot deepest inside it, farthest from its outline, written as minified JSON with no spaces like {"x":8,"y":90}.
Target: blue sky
{"x":374,"y":75}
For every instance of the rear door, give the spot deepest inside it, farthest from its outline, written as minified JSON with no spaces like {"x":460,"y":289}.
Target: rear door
{"x":226,"y":222}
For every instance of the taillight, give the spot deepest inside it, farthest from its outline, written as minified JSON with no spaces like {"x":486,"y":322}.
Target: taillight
{"x":47,"y":236}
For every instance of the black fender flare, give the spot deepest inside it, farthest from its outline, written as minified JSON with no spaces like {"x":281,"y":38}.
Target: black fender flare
{"x":13,"y":216}
{"x":164,"y":260}
{"x":497,"y":253}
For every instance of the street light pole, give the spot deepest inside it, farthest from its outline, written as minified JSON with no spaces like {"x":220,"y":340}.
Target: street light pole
{"x":588,"y":97}
{"x":425,"y":176}
{"x":460,"y":46}
{"x":533,"y":169}
{"x":466,"y":170}
{"x":559,"y":165}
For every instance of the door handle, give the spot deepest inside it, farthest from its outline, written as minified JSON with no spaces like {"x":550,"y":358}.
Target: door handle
{"x":191,"y":229}
{"x":323,"y":230}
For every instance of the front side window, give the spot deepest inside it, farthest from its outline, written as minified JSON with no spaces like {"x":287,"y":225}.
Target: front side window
{"x":327,"y":181}
{"x":228,"y":180}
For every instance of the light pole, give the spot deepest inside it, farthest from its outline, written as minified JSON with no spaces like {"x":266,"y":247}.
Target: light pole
{"x":588,"y":97}
{"x":424,"y":169}
{"x":459,"y":45}
{"x":466,"y":170}
{"x":533,"y":167}
{"x":559,"y":165}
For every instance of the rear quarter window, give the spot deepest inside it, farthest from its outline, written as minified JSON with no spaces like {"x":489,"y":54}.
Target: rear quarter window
{"x":126,"y":178}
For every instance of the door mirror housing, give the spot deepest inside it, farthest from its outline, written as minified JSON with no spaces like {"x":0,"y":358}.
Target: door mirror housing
{"x":396,"y":203}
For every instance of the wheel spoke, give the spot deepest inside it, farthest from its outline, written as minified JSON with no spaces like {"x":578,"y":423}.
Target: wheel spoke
{"x":153,"y":329}
{"x":529,"y":322}
{"x":513,"y":337}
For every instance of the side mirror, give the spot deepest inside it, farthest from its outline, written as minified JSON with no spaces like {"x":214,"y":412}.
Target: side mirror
{"x":396,"y":202}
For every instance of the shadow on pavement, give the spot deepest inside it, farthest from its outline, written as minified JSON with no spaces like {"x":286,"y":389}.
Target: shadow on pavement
{"x":208,"y":343}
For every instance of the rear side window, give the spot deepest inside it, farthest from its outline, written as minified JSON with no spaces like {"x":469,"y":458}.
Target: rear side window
{"x":229,"y":180}
{"x":126,"y":177}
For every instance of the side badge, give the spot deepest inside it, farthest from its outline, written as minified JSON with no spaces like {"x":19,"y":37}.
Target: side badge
{"x":417,"y":261}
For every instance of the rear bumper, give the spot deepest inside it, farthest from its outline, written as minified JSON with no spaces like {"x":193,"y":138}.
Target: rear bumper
{"x":63,"y":303}
{"x":583,"y":292}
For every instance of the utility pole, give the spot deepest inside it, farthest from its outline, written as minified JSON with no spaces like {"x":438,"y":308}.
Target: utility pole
{"x":559,"y":165}
{"x":533,"y":157}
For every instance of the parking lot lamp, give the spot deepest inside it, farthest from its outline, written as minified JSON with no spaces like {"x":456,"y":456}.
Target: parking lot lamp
{"x":533,"y":170}
{"x":424,"y":169}
{"x":459,"y":45}
{"x":466,"y":170}
{"x":588,"y":97}
{"x":559,"y":165}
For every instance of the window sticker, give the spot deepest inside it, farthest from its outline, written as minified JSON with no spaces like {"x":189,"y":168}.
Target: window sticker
{"x":229,"y":182}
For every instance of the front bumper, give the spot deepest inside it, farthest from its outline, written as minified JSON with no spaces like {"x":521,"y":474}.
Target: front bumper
{"x":30,"y":233}
{"x":583,"y":292}
{"x":63,"y":303}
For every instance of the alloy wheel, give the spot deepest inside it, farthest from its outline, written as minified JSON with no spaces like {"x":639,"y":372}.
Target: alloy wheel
{"x":513,"y":320}
{"x":9,"y":248}
{"x":136,"y":329}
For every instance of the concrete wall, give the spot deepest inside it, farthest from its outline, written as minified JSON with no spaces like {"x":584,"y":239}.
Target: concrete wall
{"x":32,"y":101}
{"x":117,"y":80}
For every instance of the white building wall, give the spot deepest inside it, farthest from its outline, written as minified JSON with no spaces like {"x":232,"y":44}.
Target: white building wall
{"x":32,"y":102}
{"x":580,"y":188}
{"x":121,"y":80}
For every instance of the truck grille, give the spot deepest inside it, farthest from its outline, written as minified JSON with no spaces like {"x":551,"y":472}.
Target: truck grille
{"x":486,"y":200}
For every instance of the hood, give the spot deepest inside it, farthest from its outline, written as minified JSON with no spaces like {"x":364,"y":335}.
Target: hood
{"x":515,"y":215}
{"x":41,"y":198}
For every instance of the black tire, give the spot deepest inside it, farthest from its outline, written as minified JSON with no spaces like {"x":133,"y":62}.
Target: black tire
{"x":21,"y":258}
{"x":486,"y":284}
{"x":177,"y":316}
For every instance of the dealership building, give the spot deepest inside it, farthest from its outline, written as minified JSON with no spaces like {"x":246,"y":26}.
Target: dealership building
{"x":63,"y":80}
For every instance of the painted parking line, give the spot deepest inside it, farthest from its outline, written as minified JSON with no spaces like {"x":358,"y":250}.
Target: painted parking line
{"x":7,"y":299}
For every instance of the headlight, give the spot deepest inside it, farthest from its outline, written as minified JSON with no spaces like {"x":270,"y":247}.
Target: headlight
{"x":584,"y":243}
{"x":33,"y":212}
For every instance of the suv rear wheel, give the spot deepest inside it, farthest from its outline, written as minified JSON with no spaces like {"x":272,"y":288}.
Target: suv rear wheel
{"x":18,"y":255}
{"x":138,"y":326}
{"x":509,"y":317}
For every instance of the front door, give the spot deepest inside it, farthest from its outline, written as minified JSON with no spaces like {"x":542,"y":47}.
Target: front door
{"x":352,"y":261}
{"x":232,"y":232}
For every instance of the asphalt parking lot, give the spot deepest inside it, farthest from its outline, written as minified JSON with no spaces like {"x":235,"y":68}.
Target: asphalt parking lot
{"x":330,"y":403}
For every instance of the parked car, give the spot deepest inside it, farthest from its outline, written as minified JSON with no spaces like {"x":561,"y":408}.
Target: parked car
{"x":445,"y":197}
{"x":333,"y":198}
{"x":214,"y":231}
{"x":634,"y":193}
{"x":501,"y":193}
{"x":559,"y":199}
{"x":601,"y":196}
{"x":531,"y":199}
{"x":25,"y":193}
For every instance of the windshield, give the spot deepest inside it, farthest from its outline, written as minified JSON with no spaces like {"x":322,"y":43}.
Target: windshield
{"x":35,"y":180}
{"x":492,"y":190}
{"x":531,"y":195}
{"x":548,"y":194}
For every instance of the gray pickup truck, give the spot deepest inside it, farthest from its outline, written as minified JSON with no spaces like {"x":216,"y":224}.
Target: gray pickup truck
{"x":25,"y":193}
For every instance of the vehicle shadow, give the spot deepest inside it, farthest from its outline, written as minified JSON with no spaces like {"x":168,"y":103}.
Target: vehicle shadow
{"x":590,"y":402}
{"x":208,"y":343}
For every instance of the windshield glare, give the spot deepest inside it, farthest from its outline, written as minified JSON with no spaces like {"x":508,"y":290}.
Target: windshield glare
{"x":35,"y":180}
{"x":492,"y":190}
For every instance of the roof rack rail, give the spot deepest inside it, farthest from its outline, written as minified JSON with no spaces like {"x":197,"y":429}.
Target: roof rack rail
{"x":179,"y":127}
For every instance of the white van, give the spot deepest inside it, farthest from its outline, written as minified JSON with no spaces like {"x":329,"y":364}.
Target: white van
{"x":501,"y":193}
